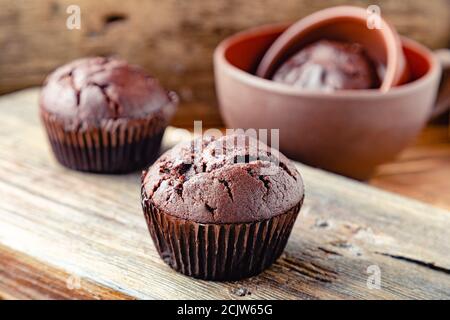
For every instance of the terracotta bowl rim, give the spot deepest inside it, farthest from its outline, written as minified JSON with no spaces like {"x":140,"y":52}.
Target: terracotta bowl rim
{"x":306,"y":25}
{"x":283,"y":89}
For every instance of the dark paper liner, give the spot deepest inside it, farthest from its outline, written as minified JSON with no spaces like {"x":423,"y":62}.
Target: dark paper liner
{"x":218,"y":251}
{"x":115,"y":146}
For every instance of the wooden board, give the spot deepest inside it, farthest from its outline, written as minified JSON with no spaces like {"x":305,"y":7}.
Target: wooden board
{"x":23,"y":277}
{"x":171,"y":39}
{"x":422,"y":171}
{"x":90,"y":227}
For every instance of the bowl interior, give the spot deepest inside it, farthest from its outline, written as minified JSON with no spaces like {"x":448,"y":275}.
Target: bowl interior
{"x":418,"y":63}
{"x":246,"y":50}
{"x":345,"y":29}
{"x":254,"y":46}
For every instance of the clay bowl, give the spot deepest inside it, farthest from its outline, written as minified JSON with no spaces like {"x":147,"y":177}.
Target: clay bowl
{"x":348,"y":132}
{"x":342,"y":23}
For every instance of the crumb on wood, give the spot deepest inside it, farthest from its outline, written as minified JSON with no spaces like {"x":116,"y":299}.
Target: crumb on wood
{"x":240,"y":292}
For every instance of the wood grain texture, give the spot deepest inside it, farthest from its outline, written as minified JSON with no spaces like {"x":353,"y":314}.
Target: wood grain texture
{"x":171,"y":39}
{"x":92,"y":226}
{"x":422,"y":171}
{"x":23,"y":277}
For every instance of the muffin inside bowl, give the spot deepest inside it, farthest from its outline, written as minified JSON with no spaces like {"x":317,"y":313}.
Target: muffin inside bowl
{"x":243,"y":52}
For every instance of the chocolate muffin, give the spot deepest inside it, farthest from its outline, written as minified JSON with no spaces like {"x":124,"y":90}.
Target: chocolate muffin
{"x":104,"y":115}
{"x":329,"y":65}
{"x":221,"y":209}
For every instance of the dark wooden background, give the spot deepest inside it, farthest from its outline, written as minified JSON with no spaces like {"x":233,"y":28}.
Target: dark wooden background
{"x":171,"y":39}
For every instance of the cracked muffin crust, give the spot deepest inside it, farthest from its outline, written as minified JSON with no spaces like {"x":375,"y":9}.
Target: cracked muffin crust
{"x":221,"y":209}
{"x":328,"y":65}
{"x":224,"y":180}
{"x":104,"y":115}
{"x":95,"y":89}
{"x":231,"y":179}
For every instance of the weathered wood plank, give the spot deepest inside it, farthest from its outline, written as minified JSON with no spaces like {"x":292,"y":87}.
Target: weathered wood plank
{"x":92,"y":226}
{"x":22,"y":277}
{"x":422,"y":171}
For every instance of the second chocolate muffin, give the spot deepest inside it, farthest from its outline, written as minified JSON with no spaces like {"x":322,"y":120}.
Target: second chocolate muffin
{"x":104,"y":115}
{"x":221,"y":209}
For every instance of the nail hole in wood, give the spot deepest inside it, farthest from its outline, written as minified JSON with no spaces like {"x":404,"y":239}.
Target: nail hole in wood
{"x":114,"y":18}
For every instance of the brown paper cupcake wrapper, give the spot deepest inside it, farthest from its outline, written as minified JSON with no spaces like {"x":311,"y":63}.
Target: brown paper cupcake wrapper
{"x":218,"y":251}
{"x":116,"y":146}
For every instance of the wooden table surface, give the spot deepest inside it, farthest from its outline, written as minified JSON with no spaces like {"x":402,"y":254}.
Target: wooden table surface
{"x":66,"y":234}
{"x":422,"y":171}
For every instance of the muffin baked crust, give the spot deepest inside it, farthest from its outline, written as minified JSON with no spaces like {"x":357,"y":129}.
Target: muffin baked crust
{"x":104,"y":115}
{"x":233,"y":179}
{"x":95,"y":89}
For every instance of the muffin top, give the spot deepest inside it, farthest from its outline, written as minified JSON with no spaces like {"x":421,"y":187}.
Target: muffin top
{"x":329,"y":65}
{"x":232,"y":179}
{"x":93,"y":89}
